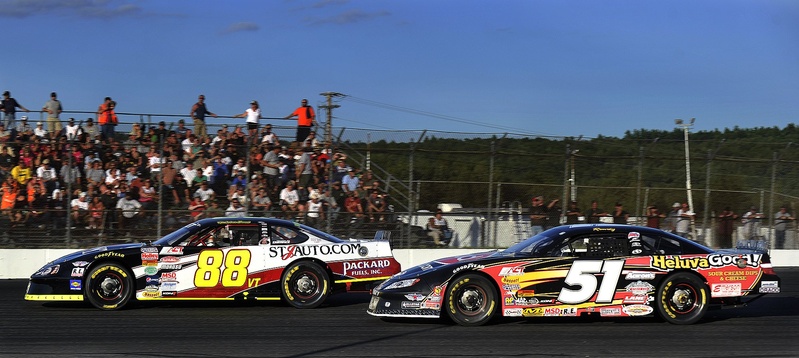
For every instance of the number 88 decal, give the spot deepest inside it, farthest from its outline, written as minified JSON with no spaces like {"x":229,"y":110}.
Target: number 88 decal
{"x":583,"y":273}
{"x":210,"y":268}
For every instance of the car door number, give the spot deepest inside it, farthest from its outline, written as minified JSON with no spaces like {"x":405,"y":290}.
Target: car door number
{"x":210,"y":268}
{"x":584,"y":273}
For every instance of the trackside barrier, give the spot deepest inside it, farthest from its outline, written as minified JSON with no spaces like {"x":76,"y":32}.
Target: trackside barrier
{"x":21,"y":263}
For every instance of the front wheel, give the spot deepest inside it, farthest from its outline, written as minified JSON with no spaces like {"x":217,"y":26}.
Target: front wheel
{"x":471,"y":300}
{"x":682,"y":299}
{"x":109,"y":286}
{"x":305,"y":285}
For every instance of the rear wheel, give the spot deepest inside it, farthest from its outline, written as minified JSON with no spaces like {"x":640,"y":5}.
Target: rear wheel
{"x":109,"y":286}
{"x":305,"y":285}
{"x":471,"y":300}
{"x":682,"y":299}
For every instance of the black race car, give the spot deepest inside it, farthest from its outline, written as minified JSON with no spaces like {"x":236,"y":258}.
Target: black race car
{"x":219,"y":259}
{"x":605,"y":270}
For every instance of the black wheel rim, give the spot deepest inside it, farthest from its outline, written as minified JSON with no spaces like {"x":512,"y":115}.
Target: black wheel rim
{"x":305,"y":285}
{"x":109,"y":287}
{"x":471,"y":300}
{"x":683,"y":298}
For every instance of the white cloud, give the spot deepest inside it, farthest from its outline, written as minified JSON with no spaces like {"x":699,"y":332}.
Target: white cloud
{"x":240,"y":26}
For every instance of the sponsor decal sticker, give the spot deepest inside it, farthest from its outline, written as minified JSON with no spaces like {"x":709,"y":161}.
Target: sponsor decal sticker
{"x":725,"y":289}
{"x":635,"y":276}
{"x":511,"y":271}
{"x":469,"y":266}
{"x":409,"y":304}
{"x":75,"y":285}
{"x":637,"y":310}
{"x":170,"y":266}
{"x":639,"y":287}
{"x":108,"y":254}
{"x":177,"y":250}
{"x":78,"y":271}
{"x":149,"y":249}
{"x":150,"y":270}
{"x":610,"y":311}
{"x":363,"y":251}
{"x":170,"y":259}
{"x":639,"y":299}
{"x":715,"y":260}
{"x":80,"y":263}
{"x":414,"y":296}
{"x":365,"y":268}
{"x":297,"y":251}
{"x":149,"y":256}
{"x":512,"y":312}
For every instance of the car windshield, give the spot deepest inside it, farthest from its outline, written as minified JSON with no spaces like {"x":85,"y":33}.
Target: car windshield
{"x":178,"y":234}
{"x":533,"y":245}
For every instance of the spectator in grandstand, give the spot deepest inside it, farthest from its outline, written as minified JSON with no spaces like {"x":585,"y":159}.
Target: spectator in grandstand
{"x":9,"y":107}
{"x":593,"y":215}
{"x":241,"y":196}
{"x":573,"y":214}
{"x":72,"y":131}
{"x":148,"y":196}
{"x":315,"y":214}
{"x":80,"y":209}
{"x":269,"y":137}
{"x":239,"y":181}
{"x":129,"y":210}
{"x":672,"y":217}
{"x":377,"y":207}
{"x":306,"y":118}
{"x":70,"y":175}
{"x":40,"y":132}
{"x":271,"y":164}
{"x":197,"y":208}
{"x":684,"y":218}
{"x":354,"y":207}
{"x":781,"y":220}
{"x":304,"y":168}
{"x":236,"y":210}
{"x":93,"y":132}
{"x":24,"y":130}
{"x":107,"y":119}
{"x":538,"y":214}
{"x":252,"y":115}
{"x":53,"y":109}
{"x":436,"y":227}
{"x":198,"y":112}
{"x":726,"y":227}
{"x":213,"y":210}
{"x":22,"y":172}
{"x":261,"y":203}
{"x":290,"y":201}
{"x":204,"y":192}
{"x":48,"y":176}
{"x":351,"y":181}
{"x":181,"y":131}
{"x":96,"y":212}
{"x":653,"y":217}
{"x":5,"y":134}
{"x":311,"y":141}
{"x":340,"y":170}
{"x":752,"y":223}
{"x":620,"y":216}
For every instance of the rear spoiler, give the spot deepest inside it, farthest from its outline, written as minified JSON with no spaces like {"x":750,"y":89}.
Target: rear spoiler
{"x":382,"y":235}
{"x":756,"y":245}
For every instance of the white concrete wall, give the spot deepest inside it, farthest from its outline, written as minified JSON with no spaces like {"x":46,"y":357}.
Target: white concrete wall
{"x":21,"y":263}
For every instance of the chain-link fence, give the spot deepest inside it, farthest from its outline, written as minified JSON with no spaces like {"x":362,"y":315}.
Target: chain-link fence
{"x":491,"y":176}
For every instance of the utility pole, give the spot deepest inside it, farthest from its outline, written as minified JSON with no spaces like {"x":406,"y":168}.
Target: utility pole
{"x":329,"y":142}
{"x":329,"y":123}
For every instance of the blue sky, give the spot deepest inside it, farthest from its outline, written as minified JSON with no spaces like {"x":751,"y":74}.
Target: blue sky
{"x":560,"y":67}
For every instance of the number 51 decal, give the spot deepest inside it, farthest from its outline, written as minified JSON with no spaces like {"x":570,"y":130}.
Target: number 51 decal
{"x":583,"y":273}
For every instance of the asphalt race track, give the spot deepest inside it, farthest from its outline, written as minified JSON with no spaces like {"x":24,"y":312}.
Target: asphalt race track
{"x":768,"y":327}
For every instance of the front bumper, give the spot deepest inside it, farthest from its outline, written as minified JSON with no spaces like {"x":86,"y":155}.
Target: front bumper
{"x":54,"y":289}
{"x":405,"y":304}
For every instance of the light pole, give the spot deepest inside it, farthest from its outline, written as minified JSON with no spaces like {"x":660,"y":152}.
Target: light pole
{"x":685,"y":126}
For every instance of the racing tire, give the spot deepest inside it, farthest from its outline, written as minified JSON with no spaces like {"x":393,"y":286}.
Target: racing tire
{"x":471,"y":300}
{"x":682,"y":299}
{"x":305,"y":285}
{"x":109,"y":286}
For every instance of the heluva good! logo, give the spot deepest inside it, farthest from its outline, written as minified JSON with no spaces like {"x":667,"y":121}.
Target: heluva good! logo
{"x":702,"y":262}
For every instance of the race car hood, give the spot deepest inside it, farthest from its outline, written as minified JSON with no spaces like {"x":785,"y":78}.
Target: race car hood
{"x":78,"y":254}
{"x":449,"y":262}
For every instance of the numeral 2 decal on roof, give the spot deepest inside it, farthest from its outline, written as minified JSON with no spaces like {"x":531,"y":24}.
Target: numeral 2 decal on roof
{"x":583,"y":273}
{"x":210,"y":268}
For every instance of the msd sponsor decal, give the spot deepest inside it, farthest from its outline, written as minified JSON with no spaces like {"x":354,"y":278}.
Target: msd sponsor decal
{"x":295,"y":251}
{"x":169,"y":276}
{"x":365,"y":268}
